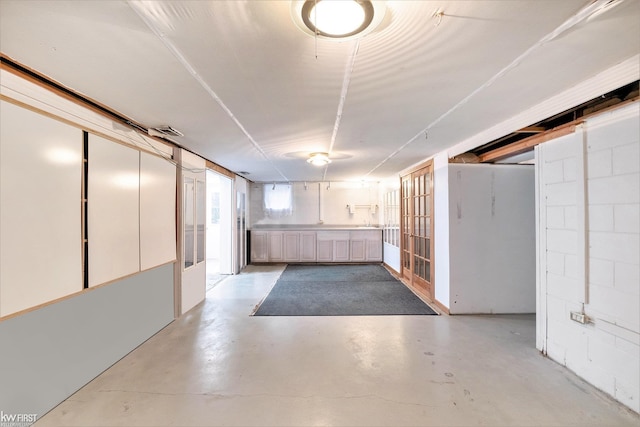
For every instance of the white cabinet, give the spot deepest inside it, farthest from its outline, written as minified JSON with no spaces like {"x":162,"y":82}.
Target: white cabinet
{"x":325,"y":250}
{"x":291,"y":240}
{"x":333,"y":246}
{"x":308,"y":246}
{"x":357,"y":252}
{"x":366,"y":245}
{"x":341,"y":250}
{"x":259,"y":246}
{"x":374,"y":250}
{"x":316,"y":246}
{"x":276,"y":246}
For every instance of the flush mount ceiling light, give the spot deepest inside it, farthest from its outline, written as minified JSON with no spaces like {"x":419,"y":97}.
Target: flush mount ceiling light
{"x":337,"y":19}
{"x":319,"y":159}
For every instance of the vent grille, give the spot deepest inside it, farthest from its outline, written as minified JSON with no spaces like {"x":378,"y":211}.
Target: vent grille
{"x":165,"y":131}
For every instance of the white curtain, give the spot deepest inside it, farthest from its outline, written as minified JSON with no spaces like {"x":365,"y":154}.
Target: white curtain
{"x":278,"y":200}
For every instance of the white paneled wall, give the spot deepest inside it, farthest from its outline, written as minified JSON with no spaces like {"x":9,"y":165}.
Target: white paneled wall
{"x":40,"y":199}
{"x":589,"y":252}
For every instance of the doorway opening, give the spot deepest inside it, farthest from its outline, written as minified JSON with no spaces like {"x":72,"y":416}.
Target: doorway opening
{"x":219,"y":228}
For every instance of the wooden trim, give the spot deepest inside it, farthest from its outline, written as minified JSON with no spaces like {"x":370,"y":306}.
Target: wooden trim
{"x":39,"y":79}
{"x":531,"y":129}
{"x":221,"y":170}
{"x":528,"y":143}
{"x":441,"y":307}
{"x":68,"y":122}
{"x":391,"y":270}
{"x":431,"y":302}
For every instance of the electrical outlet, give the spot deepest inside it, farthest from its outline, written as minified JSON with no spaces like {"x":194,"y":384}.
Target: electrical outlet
{"x":576,"y":316}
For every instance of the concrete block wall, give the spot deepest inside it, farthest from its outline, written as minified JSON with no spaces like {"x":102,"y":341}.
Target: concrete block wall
{"x":592,"y":235}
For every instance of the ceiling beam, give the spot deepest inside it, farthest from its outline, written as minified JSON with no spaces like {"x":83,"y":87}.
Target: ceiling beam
{"x":528,"y":143}
{"x":532,"y":129}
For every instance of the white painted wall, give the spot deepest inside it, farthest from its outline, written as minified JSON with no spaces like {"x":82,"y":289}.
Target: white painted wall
{"x":441,"y":226}
{"x":491,"y":239}
{"x":323,"y":203}
{"x":589,"y":252}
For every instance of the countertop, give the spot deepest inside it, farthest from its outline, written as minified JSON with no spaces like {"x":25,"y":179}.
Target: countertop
{"x":311,"y":227}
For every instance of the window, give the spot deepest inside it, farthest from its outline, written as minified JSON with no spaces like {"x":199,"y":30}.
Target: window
{"x":189,"y":243}
{"x":201,"y":213}
{"x":278,"y":200}
{"x":391,"y":216}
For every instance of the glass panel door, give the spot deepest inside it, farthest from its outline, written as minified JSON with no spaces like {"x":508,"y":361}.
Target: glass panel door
{"x":406,"y":241}
{"x":189,"y":222}
{"x":417,"y":265}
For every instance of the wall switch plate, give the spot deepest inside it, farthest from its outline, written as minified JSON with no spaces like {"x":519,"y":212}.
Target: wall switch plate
{"x":579,"y":317}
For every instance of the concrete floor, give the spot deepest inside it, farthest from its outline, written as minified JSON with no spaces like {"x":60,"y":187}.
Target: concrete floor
{"x":218,"y":366}
{"x":213,"y":273}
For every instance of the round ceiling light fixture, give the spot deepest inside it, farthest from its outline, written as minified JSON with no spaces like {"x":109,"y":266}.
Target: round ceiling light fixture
{"x":319,"y":159}
{"x":337,"y":19}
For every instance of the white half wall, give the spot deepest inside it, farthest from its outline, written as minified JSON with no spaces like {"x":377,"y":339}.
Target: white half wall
{"x":491,"y":239}
{"x":441,"y":225}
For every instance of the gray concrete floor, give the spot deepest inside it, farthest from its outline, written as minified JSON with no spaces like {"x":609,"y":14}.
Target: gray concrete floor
{"x":217,"y":365}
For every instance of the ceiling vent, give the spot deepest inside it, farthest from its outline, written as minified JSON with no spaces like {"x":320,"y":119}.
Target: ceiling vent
{"x":164,"y":132}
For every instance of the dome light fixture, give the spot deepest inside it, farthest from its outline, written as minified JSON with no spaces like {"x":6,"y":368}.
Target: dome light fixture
{"x":330,"y":18}
{"x":337,"y":19}
{"x":319,"y":159}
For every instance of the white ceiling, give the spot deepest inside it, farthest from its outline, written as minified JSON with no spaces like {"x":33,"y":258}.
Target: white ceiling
{"x":253,"y":93}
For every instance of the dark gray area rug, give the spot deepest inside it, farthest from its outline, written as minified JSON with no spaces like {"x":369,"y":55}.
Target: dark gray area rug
{"x":340,"y":290}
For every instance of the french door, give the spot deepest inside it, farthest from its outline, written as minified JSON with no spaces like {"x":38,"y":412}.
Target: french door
{"x":417,"y":229}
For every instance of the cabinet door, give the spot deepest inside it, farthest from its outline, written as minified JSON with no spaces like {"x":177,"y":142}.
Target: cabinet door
{"x":374,"y":250}
{"x":276,"y":246}
{"x":357,"y":250}
{"x":325,"y":250}
{"x":259,"y":246}
{"x":341,"y":250}
{"x":308,"y":246}
{"x":291,"y":246}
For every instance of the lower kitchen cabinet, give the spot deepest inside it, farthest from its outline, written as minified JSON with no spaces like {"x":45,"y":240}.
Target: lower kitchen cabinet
{"x":316,"y":246}
{"x":333,"y":246}
{"x":276,"y":246}
{"x":308,"y":246}
{"x":259,"y":246}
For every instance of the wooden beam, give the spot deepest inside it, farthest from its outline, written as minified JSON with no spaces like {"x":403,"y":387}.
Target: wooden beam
{"x":532,"y":129}
{"x":9,"y":65}
{"x":528,"y":143}
{"x":220,"y":169}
